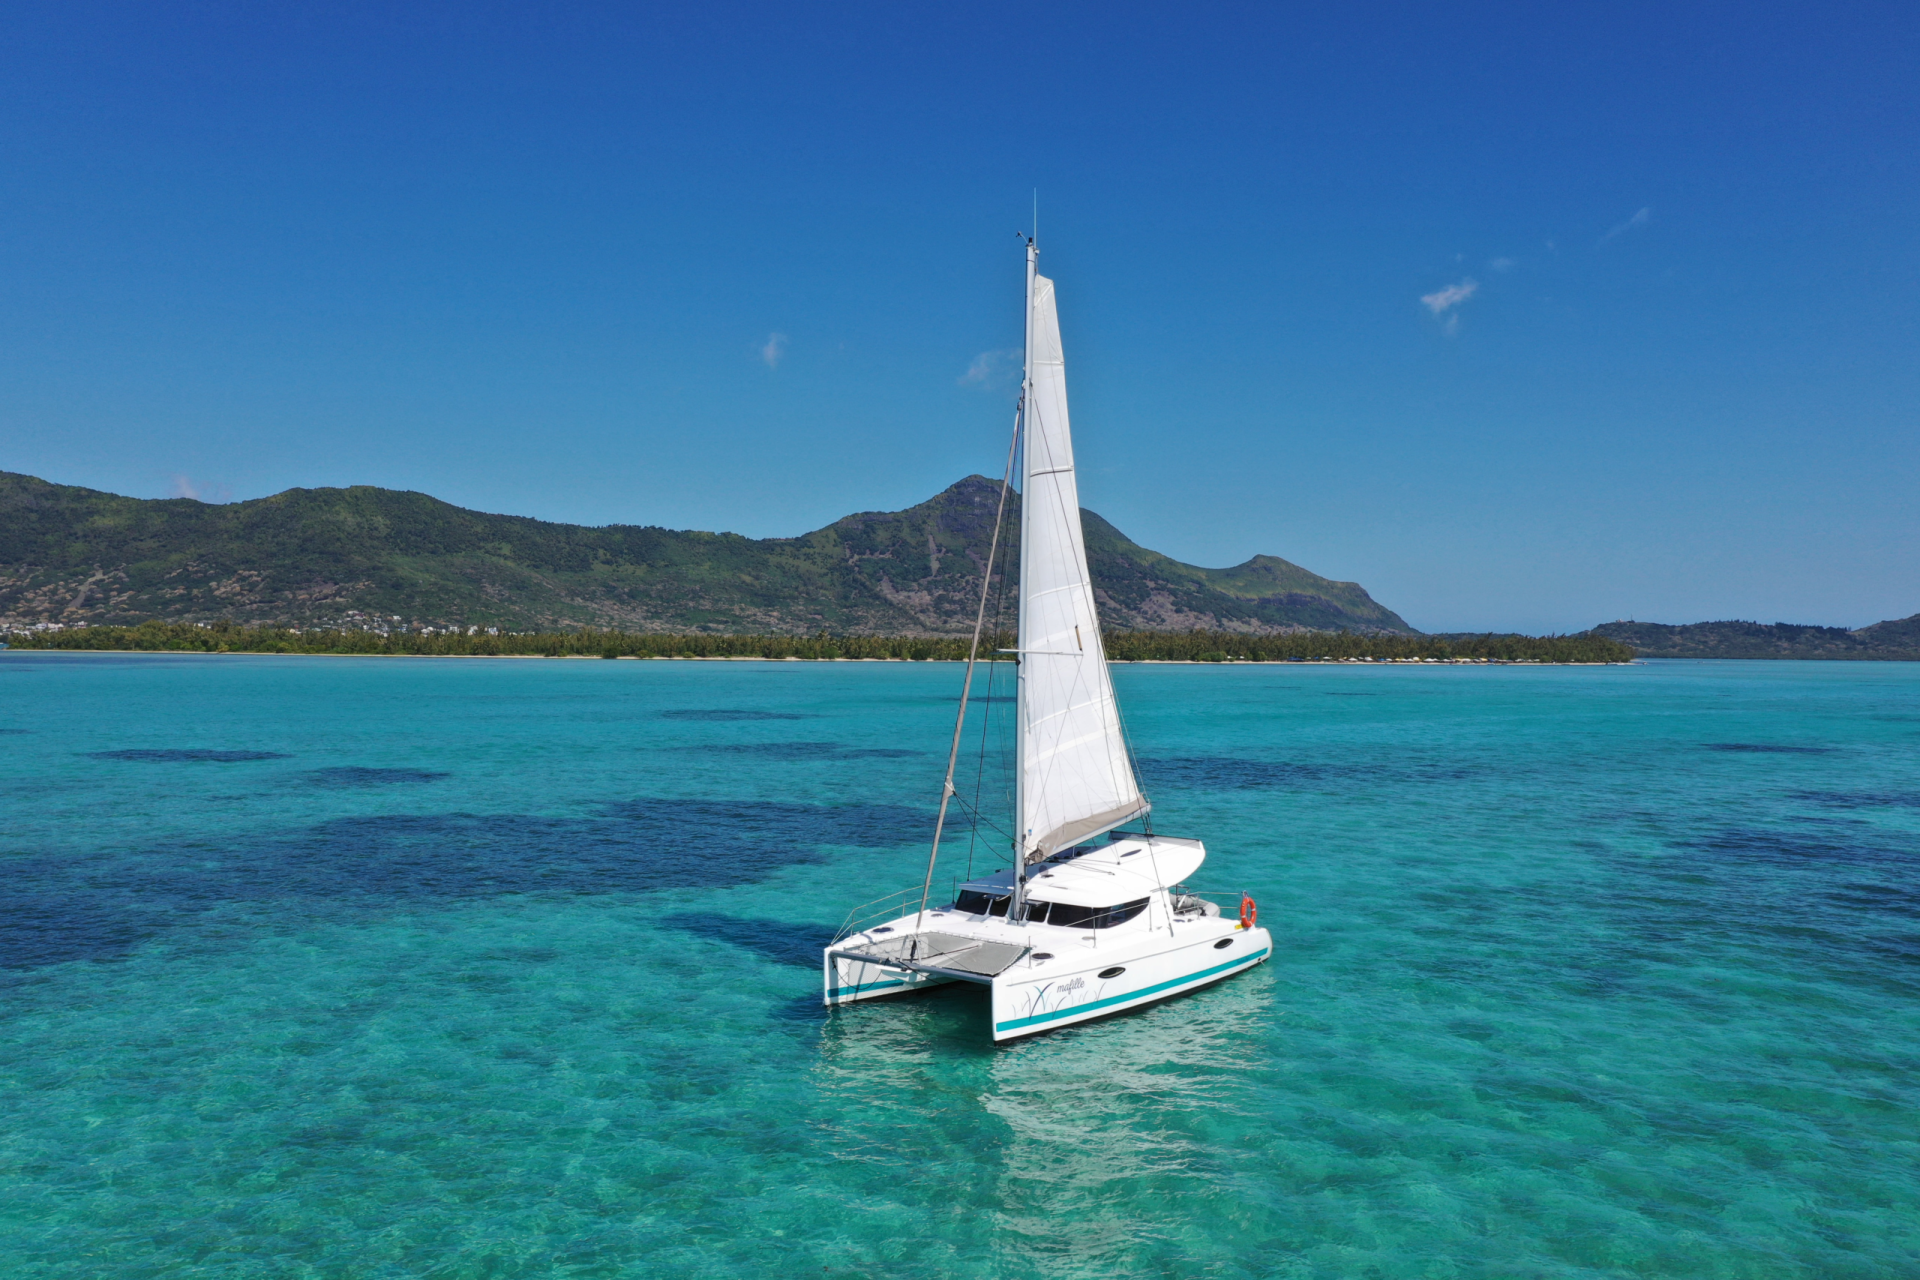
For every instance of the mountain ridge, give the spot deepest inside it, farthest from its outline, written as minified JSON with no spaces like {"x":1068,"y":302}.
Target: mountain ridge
{"x":315,"y":557}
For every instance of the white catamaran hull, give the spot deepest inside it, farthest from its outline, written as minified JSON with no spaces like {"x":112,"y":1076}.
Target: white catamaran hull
{"x":1033,"y":997}
{"x":849,"y":979}
{"x":1042,"y":976}
{"x":1029,"y":1001}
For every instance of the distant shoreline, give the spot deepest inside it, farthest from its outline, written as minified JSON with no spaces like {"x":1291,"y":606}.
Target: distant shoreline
{"x":1120,"y":646}
{"x":595,"y":657}
{"x":1637,"y":660}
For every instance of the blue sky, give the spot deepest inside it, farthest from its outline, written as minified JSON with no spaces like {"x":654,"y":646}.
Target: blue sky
{"x":1523,"y":317}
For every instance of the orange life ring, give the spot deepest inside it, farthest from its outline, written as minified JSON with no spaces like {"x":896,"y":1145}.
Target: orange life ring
{"x":1249,"y":913}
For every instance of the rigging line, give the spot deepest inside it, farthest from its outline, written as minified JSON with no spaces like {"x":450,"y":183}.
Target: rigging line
{"x":1053,"y":755}
{"x":1086,"y":584}
{"x":1007,"y":734}
{"x":975,"y":814}
{"x":1119,"y":716}
{"x":973,"y":810}
{"x":1126,"y":745}
{"x":966,"y":687}
{"x":1154,"y":860}
{"x":979,"y":773}
{"x":993,"y":675}
{"x":1081,"y":678}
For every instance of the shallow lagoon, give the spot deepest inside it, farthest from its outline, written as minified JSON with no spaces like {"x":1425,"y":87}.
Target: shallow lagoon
{"x":390,"y":967}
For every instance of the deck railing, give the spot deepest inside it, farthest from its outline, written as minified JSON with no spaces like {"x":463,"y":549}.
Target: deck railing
{"x":887,"y":907}
{"x":898,"y":903}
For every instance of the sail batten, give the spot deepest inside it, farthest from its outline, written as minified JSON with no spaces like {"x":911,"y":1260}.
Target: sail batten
{"x":1075,"y":777}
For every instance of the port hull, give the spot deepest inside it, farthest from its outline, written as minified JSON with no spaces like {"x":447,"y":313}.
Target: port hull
{"x":849,"y":980}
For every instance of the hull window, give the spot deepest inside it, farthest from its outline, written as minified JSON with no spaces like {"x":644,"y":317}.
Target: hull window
{"x":1072,"y":917}
{"x":982,"y":904}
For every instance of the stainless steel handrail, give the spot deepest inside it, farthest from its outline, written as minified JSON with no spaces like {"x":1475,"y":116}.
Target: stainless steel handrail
{"x":855,"y":918}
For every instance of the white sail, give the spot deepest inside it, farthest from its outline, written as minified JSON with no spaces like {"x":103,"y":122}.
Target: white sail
{"x":1075,"y":778}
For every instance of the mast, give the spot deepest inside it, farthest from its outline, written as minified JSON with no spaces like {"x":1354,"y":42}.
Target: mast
{"x":1016,"y":910}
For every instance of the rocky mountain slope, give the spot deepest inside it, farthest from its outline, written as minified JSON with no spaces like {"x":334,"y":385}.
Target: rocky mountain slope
{"x":363,"y":555}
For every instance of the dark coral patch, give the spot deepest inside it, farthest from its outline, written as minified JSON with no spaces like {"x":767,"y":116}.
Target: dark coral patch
{"x":174,"y":756}
{"x":1225,"y":773}
{"x":726,"y":714}
{"x":1768,"y":748}
{"x":53,"y":910}
{"x":360,"y":776}
{"x":1861,"y":799}
{"x":809,"y":751}
{"x":781,"y":941}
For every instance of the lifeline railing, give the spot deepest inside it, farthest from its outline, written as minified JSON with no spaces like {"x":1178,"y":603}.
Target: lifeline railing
{"x":886,"y":907}
{"x":1228,"y":900}
{"x":893,"y":905}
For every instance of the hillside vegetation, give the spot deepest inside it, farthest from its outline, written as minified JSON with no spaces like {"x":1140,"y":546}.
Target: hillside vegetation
{"x":381,"y":559}
{"x":1897,"y":640}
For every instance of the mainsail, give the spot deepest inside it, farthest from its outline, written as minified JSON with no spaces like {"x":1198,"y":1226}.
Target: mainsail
{"x":1075,"y":779}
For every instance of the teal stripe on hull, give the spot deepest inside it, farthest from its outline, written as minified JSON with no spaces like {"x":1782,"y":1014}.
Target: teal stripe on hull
{"x":866,"y":986}
{"x":1110,"y":1001}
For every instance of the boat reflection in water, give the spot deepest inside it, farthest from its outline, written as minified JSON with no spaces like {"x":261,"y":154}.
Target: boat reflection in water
{"x":1096,"y":1152}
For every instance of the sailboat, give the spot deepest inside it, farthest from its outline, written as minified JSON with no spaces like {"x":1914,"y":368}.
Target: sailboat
{"x":1091,"y":919}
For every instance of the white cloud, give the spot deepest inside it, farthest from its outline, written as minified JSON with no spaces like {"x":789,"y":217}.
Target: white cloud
{"x":1442,"y":301}
{"x":992,"y":368}
{"x":1503,"y":264}
{"x":1450,"y":297}
{"x":183,"y":487}
{"x":1640,"y":218}
{"x":775,"y":348}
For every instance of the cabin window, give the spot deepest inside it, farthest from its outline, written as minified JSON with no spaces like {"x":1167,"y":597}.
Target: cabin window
{"x":982,"y":904}
{"x":1071,"y":917}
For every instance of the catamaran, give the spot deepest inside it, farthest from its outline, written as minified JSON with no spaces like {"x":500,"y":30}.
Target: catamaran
{"x":1078,"y":926}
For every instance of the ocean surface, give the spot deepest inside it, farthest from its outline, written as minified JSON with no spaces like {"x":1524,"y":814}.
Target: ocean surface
{"x":351,"y":967}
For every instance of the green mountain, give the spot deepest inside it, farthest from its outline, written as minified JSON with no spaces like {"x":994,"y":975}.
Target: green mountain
{"x":310,"y":557}
{"x":1897,"y":640}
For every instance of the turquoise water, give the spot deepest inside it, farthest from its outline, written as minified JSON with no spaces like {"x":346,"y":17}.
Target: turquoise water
{"x":388,"y":967}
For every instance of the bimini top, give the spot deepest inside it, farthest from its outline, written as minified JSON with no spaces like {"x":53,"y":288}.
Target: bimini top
{"x":1129,"y":868}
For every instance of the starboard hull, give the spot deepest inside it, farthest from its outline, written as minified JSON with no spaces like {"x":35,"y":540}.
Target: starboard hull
{"x":1027,"y":1003}
{"x":1072,"y":986}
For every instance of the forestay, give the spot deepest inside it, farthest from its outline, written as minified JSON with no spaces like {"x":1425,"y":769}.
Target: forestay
{"x":1075,"y":776}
